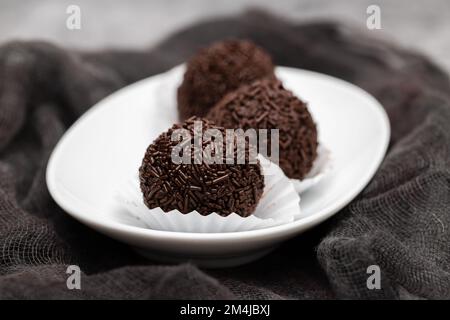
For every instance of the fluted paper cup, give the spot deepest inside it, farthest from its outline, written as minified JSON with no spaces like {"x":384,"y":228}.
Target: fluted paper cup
{"x":321,"y":166}
{"x":279,"y":204}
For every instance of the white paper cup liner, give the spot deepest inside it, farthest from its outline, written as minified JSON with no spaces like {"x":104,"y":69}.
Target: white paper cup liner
{"x":279,"y":204}
{"x":321,"y":166}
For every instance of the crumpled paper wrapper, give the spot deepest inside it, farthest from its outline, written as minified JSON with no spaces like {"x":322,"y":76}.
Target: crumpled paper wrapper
{"x":279,"y":204}
{"x":321,"y":166}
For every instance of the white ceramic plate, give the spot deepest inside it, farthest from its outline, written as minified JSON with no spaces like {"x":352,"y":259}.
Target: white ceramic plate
{"x":110,"y":139}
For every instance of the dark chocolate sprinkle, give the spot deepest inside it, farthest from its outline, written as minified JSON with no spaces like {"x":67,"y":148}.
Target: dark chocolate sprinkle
{"x":220,"y":188}
{"x":218,"y":69}
{"x":266,"y":104}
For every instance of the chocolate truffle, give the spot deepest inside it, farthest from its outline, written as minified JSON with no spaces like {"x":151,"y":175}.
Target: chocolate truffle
{"x":266,"y":104}
{"x":207,"y":188}
{"x":217,"y":70}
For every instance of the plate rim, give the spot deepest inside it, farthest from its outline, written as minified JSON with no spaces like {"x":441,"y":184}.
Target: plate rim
{"x":108,"y":226}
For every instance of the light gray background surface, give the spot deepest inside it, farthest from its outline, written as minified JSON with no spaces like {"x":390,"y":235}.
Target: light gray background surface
{"x":420,"y":24}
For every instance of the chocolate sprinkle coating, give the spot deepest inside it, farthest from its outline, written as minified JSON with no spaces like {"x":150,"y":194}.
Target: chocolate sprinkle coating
{"x":266,"y":104}
{"x":207,"y":188}
{"x":217,"y":70}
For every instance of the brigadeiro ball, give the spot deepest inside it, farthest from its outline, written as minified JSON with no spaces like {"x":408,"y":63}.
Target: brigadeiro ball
{"x":207,"y":188}
{"x":217,"y":70}
{"x":266,"y":104}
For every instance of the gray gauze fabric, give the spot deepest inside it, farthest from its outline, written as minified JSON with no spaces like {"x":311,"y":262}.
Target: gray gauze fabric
{"x":400,"y":222}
